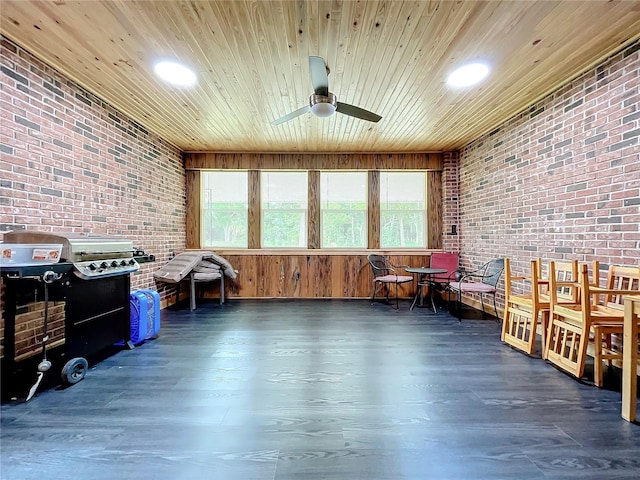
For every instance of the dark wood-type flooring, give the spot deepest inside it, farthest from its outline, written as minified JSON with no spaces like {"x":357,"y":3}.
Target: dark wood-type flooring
{"x":272,"y":389}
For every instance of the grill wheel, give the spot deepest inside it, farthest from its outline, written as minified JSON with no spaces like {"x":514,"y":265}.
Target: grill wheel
{"x":74,"y":370}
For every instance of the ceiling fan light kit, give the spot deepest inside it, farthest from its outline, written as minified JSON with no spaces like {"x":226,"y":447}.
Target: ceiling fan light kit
{"x":323,"y":103}
{"x":322,"y":106}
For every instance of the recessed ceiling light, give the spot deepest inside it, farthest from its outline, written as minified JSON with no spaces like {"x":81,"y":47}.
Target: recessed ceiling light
{"x":175,"y":73}
{"x":467,"y":75}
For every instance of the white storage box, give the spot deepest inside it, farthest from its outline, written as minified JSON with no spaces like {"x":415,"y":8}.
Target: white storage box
{"x":22,"y":254}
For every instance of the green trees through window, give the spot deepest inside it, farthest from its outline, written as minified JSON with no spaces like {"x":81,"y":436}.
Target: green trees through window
{"x":402,"y":209}
{"x":284,"y":203}
{"x":224,"y":210}
{"x":343,"y":209}
{"x":284,"y":197}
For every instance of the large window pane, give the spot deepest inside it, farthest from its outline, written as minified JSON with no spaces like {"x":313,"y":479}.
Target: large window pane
{"x":402,"y":209}
{"x":284,"y":209}
{"x":343,"y":209}
{"x":224,"y":209}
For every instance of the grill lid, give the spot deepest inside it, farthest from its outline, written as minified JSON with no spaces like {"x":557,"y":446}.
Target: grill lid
{"x":92,"y":255}
{"x":78,"y":247}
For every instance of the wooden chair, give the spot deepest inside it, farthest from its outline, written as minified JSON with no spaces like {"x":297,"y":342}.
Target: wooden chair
{"x":600,"y":310}
{"x":528,"y":309}
{"x":566,"y":272}
{"x":620,"y":281}
{"x":482,"y":281}
{"x":523,"y":311}
{"x":384,"y":274}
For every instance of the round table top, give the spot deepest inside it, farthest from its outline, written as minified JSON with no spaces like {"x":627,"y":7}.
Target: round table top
{"x":426,"y":270}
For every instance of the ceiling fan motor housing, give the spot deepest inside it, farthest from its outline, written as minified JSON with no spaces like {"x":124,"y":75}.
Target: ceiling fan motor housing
{"x":322,"y":106}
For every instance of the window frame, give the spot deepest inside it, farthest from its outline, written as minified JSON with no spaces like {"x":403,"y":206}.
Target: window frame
{"x":312,"y":215}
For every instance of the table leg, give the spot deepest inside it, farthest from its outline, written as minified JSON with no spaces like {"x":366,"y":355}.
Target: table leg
{"x":418,"y":290}
{"x":432,"y":296}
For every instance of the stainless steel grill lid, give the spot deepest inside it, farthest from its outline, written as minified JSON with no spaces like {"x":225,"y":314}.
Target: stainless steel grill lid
{"x":93,"y":255}
{"x":77,"y":247}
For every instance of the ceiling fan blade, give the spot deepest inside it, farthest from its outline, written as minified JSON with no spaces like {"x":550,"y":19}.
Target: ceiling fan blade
{"x":292,"y":115}
{"x":319,"y":76}
{"x":357,"y":112}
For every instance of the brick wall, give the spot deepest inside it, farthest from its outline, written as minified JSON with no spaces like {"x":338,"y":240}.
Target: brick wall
{"x":30,"y":327}
{"x":450,"y":204}
{"x":561,"y":179}
{"x":71,"y":162}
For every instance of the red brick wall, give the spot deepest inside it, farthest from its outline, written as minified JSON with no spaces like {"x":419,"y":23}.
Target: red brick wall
{"x":450,"y":204}
{"x":561,"y":179}
{"x":71,"y":162}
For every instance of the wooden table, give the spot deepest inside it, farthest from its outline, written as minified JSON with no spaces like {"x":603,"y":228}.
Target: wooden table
{"x":630,"y":357}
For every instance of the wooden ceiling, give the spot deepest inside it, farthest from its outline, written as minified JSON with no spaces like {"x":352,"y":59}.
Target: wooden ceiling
{"x":251,"y":58}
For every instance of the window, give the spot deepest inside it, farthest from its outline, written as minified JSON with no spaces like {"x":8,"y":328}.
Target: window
{"x":284,"y":209}
{"x":224,"y":209}
{"x":279,"y":202}
{"x":343,"y":209}
{"x":402,"y":209}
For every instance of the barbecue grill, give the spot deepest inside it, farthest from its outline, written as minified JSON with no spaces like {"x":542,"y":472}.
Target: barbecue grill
{"x":92,"y":256}
{"x":88,"y":292}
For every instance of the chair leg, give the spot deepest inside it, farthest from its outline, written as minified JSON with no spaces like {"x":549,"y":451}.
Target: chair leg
{"x":495,"y":307}
{"x":598,"y":339}
{"x":505,"y":321}
{"x":545,"y":328}
{"x":373,"y":297}
{"x":192,"y":293}
{"x":482,"y":303}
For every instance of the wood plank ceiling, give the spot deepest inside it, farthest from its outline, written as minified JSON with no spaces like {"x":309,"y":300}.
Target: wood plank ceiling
{"x":251,"y":58}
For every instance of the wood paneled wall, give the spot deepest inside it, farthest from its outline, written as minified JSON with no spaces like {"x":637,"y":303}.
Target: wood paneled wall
{"x":313,"y":273}
{"x":434,"y":209}
{"x":310,"y":275}
{"x":192,"y":190}
{"x":373,"y":222}
{"x":313,"y":161}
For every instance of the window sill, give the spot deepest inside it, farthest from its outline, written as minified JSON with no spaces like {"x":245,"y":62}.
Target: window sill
{"x":318,"y":252}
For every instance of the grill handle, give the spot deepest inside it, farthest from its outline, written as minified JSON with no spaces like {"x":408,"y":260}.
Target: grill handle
{"x":98,"y":252}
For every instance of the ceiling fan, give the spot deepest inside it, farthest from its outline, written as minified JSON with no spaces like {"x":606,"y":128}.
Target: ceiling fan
{"x":323,"y":103}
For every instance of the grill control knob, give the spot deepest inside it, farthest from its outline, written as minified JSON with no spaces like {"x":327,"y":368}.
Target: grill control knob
{"x":132,"y":262}
{"x":123,"y":263}
{"x":92,"y":266}
{"x":104,"y":265}
{"x":114,"y":264}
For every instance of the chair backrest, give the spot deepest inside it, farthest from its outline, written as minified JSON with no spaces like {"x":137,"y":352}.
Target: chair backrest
{"x":621,"y":277}
{"x":380,"y":266}
{"x":533,"y":288}
{"x":565,"y":271}
{"x":575,"y":290}
{"x":448,"y":261}
{"x":493,"y":271}
{"x":560,"y":286}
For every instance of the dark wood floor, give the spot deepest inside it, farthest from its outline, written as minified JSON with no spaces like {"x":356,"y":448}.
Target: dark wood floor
{"x":320,"y":389}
